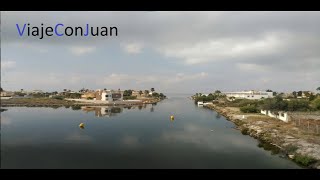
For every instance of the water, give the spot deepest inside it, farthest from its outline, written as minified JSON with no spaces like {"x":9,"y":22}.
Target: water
{"x":142,"y":137}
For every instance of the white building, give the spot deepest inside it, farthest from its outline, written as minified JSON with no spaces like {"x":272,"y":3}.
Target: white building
{"x":109,"y":95}
{"x":249,"y":94}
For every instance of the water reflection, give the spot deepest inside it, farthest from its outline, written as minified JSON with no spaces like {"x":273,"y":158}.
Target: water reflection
{"x":107,"y":111}
{"x":103,"y":111}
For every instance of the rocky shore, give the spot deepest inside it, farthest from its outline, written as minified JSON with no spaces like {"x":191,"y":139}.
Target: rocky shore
{"x":277,"y":136}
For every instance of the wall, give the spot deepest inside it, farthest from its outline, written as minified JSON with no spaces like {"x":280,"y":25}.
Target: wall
{"x":283,"y":116}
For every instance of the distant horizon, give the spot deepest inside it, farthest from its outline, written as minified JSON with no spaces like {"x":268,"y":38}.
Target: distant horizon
{"x":166,"y":93}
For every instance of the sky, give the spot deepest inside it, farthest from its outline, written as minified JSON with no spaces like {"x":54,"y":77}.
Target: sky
{"x":173,"y":52}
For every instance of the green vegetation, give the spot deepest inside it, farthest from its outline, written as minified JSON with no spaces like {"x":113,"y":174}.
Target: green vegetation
{"x":89,"y":98}
{"x":303,"y":160}
{"x":127,"y":92}
{"x":277,"y":103}
{"x":316,"y":103}
{"x":298,"y":105}
{"x":249,"y":109}
{"x":58,"y":97}
{"x":129,"y":97}
{"x":245,"y":131}
{"x":204,"y":98}
{"x":157,"y":95}
{"x":73,"y":95}
{"x":268,"y":147}
{"x":291,"y":149}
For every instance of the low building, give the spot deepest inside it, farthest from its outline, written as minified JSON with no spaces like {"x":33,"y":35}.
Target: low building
{"x":249,"y":94}
{"x":6,"y":94}
{"x":109,"y":95}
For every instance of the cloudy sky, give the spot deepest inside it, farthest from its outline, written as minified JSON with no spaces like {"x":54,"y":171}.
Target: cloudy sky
{"x":183,"y":52}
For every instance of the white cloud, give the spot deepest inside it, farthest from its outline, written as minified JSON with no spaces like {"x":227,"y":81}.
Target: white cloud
{"x":81,"y":50}
{"x":181,"y":77}
{"x":132,"y":48}
{"x":117,"y":79}
{"x":8,"y":64}
{"x":221,"y":49}
{"x":249,"y":67}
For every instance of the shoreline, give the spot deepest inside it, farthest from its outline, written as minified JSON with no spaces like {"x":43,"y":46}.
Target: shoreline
{"x":295,"y":149}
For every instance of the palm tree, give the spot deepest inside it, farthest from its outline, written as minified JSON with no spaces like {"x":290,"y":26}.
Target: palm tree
{"x":152,"y":90}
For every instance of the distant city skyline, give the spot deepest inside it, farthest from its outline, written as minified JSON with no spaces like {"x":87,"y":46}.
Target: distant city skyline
{"x":173,"y":52}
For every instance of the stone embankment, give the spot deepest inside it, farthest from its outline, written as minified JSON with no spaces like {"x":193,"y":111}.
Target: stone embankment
{"x":280,"y":136}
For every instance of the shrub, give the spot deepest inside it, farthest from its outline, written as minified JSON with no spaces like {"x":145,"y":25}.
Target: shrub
{"x":303,"y":160}
{"x":298,"y":105}
{"x":245,"y":131}
{"x":89,"y":98}
{"x":249,"y":109}
{"x":129,"y":97}
{"x":316,"y":104}
{"x":58,"y":97}
{"x":291,"y":148}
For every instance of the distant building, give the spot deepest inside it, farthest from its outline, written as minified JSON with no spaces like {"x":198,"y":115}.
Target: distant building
{"x":37,"y":91}
{"x":109,"y":95}
{"x":249,"y":94}
{"x":305,"y":94}
{"x":6,"y":93}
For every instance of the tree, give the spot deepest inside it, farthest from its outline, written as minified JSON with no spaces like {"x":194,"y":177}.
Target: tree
{"x":318,"y":89}
{"x":217,"y":92}
{"x":161,"y":95}
{"x":140,"y":92}
{"x":152,"y":90}
{"x":146,"y":92}
{"x":105,"y":89}
{"x":64,"y":90}
{"x":299,"y":93}
{"x":294,"y":94}
{"x":21,"y":90}
{"x":312,"y":97}
{"x":127,"y":92}
{"x":1,"y":89}
{"x":269,"y":90}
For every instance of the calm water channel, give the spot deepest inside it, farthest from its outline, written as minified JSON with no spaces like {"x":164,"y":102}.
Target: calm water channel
{"x":136,"y":137}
